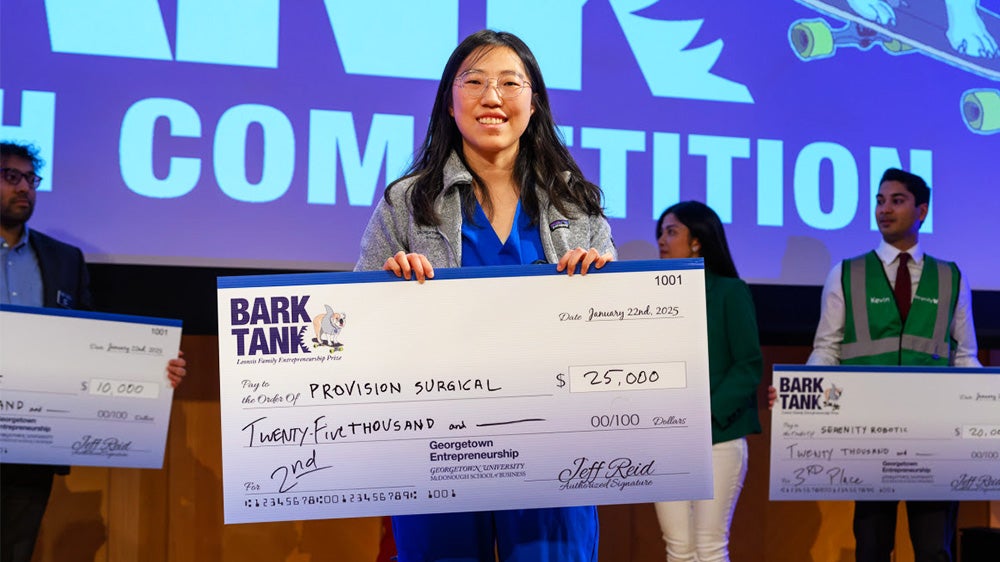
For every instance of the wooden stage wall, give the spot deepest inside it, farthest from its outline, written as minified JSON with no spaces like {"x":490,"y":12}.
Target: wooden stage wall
{"x":175,"y":514}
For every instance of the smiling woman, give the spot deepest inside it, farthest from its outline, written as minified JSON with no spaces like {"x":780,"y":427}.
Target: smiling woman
{"x":492,"y":184}
{"x":492,"y":113}
{"x":491,"y":156}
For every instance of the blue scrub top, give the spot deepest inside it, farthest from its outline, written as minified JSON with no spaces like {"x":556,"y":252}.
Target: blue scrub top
{"x":562,"y":534}
{"x":481,"y":245}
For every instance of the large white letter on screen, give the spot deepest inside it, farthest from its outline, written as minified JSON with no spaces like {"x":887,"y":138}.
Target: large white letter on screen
{"x":135,"y":147}
{"x":114,"y":28}
{"x":230,"y":153}
{"x":770,"y":183}
{"x":614,"y":145}
{"x":332,"y":134}
{"x":845,"y":185}
{"x":38,"y":126}
{"x":719,"y":153}
{"x":397,"y":38}
{"x":554,"y":29}
{"x":666,"y":171}
{"x":228,"y":32}
{"x":671,"y":65}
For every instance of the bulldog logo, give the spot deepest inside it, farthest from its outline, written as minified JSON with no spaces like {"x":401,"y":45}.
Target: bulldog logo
{"x":327,"y":327}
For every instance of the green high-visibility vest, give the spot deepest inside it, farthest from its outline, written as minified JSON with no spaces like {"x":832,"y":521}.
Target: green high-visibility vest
{"x":874,"y":333}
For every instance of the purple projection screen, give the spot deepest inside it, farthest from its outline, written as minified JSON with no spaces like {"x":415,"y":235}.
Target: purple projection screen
{"x":260,"y":133}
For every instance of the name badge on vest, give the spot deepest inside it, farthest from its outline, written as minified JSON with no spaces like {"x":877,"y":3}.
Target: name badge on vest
{"x":557,"y":224}
{"x":64,"y":300}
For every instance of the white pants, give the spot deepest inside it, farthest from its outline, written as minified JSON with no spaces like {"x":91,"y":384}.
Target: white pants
{"x":699,"y":530}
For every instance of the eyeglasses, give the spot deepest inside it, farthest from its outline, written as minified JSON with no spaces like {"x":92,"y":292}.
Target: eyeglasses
{"x":474,"y":84}
{"x":14,"y":176}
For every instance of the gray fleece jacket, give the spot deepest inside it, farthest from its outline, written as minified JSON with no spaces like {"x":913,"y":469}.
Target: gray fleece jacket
{"x":392,"y":229}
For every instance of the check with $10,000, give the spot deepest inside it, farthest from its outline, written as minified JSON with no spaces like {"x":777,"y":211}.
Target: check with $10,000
{"x":357,"y":394}
{"x":84,"y":388}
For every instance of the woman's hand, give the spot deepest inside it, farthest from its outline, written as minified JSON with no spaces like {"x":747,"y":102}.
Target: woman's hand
{"x":176,"y":369}
{"x":585,"y":258}
{"x":772,"y":397}
{"x":407,"y":265}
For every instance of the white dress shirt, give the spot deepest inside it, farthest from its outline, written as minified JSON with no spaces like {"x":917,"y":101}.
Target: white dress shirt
{"x":830,"y":331}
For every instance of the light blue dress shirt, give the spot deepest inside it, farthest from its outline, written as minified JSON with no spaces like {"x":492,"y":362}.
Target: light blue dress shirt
{"x":20,"y":275}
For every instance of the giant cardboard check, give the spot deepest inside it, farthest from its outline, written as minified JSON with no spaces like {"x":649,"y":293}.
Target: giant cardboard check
{"x":84,"y":388}
{"x":880,"y":433}
{"x":357,"y":394}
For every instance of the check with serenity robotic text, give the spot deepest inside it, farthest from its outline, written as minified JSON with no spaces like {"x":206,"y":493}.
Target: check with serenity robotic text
{"x":885,"y":433}
{"x":357,"y":394}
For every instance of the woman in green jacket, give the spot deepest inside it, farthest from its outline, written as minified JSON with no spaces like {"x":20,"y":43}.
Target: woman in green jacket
{"x":699,"y":530}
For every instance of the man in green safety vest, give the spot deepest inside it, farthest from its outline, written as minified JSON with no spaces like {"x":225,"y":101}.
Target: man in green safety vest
{"x":897,"y":305}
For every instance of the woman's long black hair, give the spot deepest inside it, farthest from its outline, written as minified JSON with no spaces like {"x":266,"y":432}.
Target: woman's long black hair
{"x":542,"y":159}
{"x":704,"y":225}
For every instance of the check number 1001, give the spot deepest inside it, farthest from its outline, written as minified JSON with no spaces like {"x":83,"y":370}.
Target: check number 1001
{"x":669,"y":279}
{"x":638,"y":376}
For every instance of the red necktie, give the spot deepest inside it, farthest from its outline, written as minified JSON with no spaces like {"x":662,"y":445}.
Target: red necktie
{"x":903,"y":290}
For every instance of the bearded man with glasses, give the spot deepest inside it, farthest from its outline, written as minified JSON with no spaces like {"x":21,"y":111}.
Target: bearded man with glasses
{"x":35,"y":270}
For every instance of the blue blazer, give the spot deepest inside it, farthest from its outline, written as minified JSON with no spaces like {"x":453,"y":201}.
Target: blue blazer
{"x":65,"y":283}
